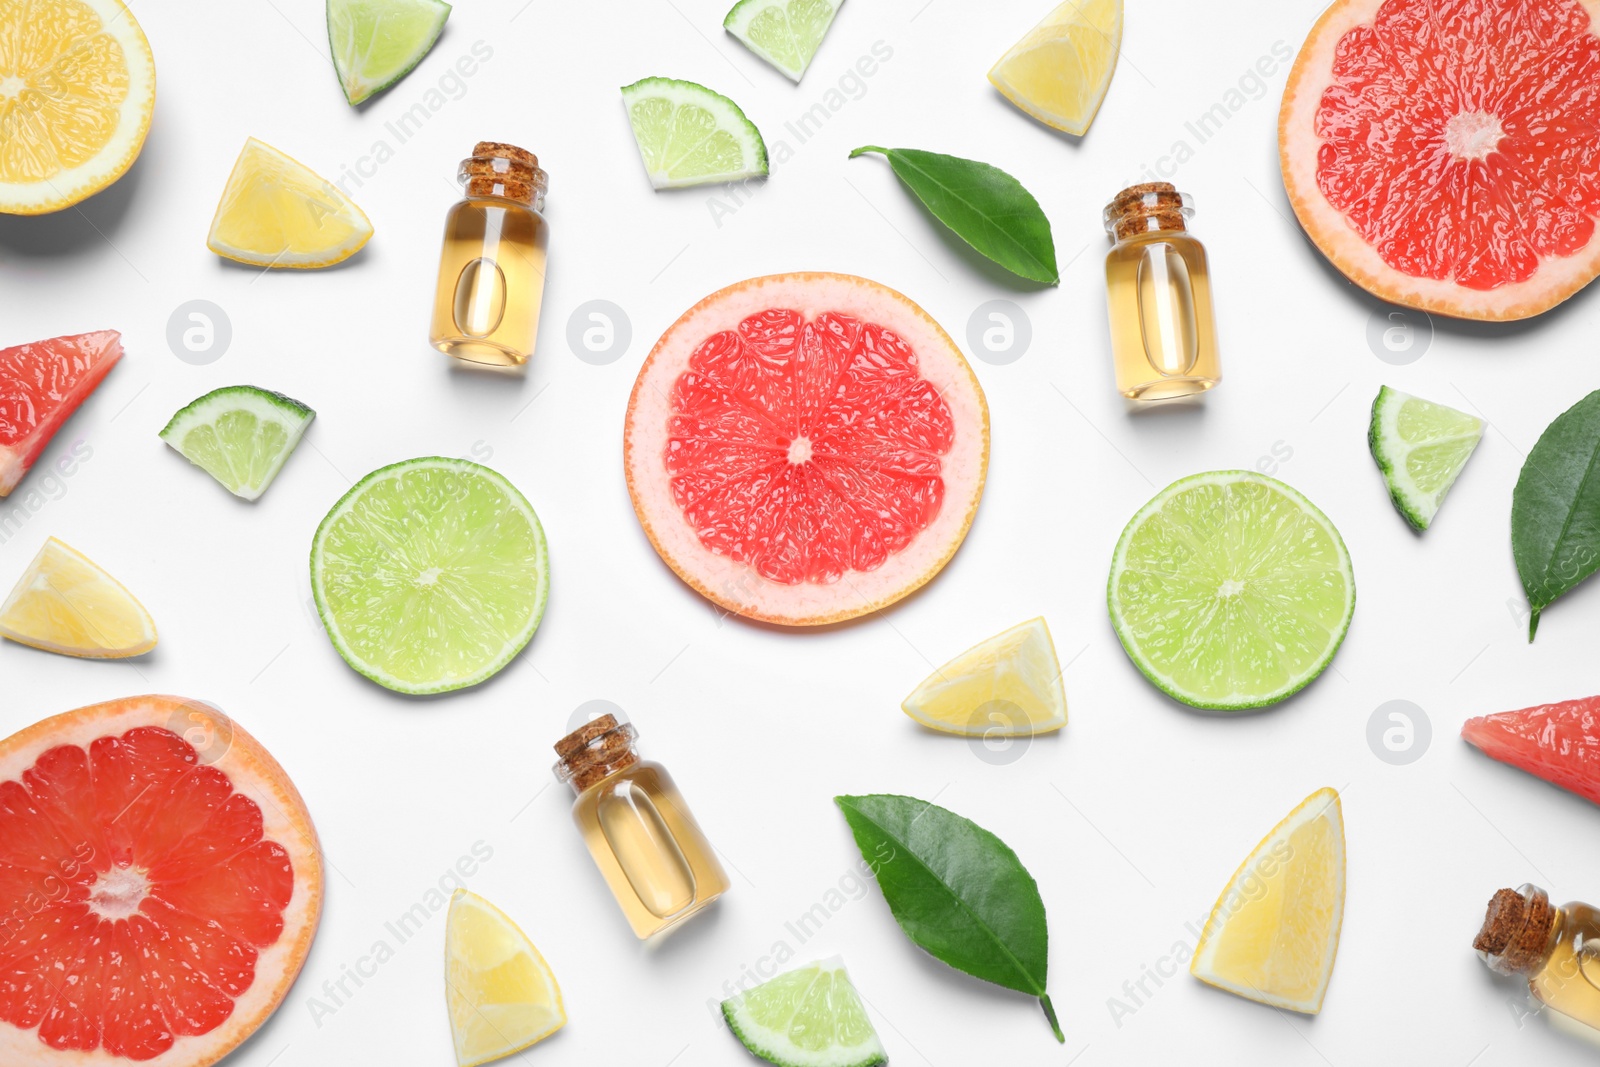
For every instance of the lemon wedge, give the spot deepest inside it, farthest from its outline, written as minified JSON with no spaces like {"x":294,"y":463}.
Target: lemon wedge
{"x":1274,"y":932}
{"x":65,"y":604}
{"x":277,"y":212}
{"x":501,"y":994}
{"x":1006,"y":686}
{"x":1060,"y":71}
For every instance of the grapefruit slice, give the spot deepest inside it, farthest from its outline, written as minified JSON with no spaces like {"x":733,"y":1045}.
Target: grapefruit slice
{"x":806,"y":448}
{"x":1443,"y":155}
{"x":1557,"y":742}
{"x":161,"y":880}
{"x":41,"y":384}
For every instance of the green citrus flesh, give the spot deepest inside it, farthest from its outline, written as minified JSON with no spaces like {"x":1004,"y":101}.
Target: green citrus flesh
{"x":1421,"y":448}
{"x":785,"y":33}
{"x":689,"y":135}
{"x":1230,"y":590}
{"x":375,"y":43}
{"x":240,"y":435}
{"x":807,"y":1017}
{"x":430,"y":575}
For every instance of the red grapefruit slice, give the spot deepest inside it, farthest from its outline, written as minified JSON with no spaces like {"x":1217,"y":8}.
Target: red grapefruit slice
{"x":161,"y":884}
{"x":1557,"y":742}
{"x":1442,"y":153}
{"x":41,"y":384}
{"x":806,"y":448}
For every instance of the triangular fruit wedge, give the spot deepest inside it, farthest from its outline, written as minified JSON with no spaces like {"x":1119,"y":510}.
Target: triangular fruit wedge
{"x":1274,"y":932}
{"x":277,"y":212}
{"x":64,"y":603}
{"x":1006,"y":686}
{"x":41,"y":384}
{"x":1557,"y":742}
{"x":501,"y":993}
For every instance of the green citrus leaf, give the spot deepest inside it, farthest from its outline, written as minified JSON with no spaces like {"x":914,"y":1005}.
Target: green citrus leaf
{"x":1555,"y":508}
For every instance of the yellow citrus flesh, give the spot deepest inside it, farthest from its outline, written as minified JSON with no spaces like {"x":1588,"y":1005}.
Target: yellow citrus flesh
{"x":1274,"y":932}
{"x":66,"y":604}
{"x":277,"y":212}
{"x":1006,"y":686}
{"x":77,"y":86}
{"x":1060,"y":71}
{"x":501,"y":993}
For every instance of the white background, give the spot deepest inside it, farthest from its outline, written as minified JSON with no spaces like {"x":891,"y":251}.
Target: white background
{"x":1131,"y":819}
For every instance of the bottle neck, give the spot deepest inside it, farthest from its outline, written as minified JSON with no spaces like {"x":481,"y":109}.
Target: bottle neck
{"x":1518,"y":932}
{"x":1150,"y":207}
{"x":596,"y":751}
{"x":504,"y":171}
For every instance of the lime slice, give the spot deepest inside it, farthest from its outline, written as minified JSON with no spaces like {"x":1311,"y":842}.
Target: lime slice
{"x":785,"y":33}
{"x":376,"y":42}
{"x":1420,"y":447}
{"x":807,"y":1017}
{"x":1006,"y":686}
{"x":1230,"y":590}
{"x":239,"y":435}
{"x":430,"y":575}
{"x":689,"y":135}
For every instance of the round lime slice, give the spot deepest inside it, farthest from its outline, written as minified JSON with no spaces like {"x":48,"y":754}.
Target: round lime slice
{"x":375,"y":43}
{"x":785,"y":33}
{"x":240,"y":435}
{"x":689,"y":135}
{"x":430,"y":575}
{"x":808,"y":1017}
{"x":1230,"y":590}
{"x":1420,"y":447}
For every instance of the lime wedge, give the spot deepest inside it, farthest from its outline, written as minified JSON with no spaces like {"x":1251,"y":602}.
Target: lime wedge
{"x":785,"y":33}
{"x":807,"y":1017}
{"x":1420,"y":447}
{"x":240,"y":435}
{"x":430,"y":575}
{"x":1230,"y":590}
{"x":689,"y":135}
{"x":376,"y":42}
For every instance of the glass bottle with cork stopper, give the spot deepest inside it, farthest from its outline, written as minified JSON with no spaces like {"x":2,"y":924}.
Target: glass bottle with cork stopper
{"x":643,"y":837}
{"x":1158,"y":291}
{"x":491,"y":270}
{"x":1557,"y":949}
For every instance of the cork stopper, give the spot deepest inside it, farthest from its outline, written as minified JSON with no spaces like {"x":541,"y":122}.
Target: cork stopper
{"x":499,"y":169}
{"x":595,"y":751}
{"x":1516,"y":930}
{"x":1145,"y":207}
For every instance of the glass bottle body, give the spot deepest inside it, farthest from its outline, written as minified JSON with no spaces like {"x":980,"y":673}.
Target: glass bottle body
{"x":1569,"y":979}
{"x":1163,"y":330}
{"x":491,"y":281}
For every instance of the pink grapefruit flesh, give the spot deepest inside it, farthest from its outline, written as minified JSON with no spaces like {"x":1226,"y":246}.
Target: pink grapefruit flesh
{"x":1557,"y":742}
{"x":806,"y":448}
{"x":161,"y":884}
{"x":1442,"y":153}
{"x":41,"y":384}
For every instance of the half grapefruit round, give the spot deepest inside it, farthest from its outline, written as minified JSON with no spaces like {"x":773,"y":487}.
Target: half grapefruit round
{"x":806,"y":448}
{"x":1443,"y":155}
{"x":161,"y":883}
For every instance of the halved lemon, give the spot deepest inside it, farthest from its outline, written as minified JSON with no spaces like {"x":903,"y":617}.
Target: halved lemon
{"x":77,"y":86}
{"x":500,"y":991}
{"x":66,"y":604}
{"x":1274,"y":932}
{"x":1060,"y":71}
{"x":277,"y":212}
{"x":1008,"y":685}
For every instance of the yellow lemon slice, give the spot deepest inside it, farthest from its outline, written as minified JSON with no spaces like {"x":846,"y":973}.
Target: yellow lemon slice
{"x":77,"y":85}
{"x":1274,"y":932}
{"x":66,"y":604}
{"x":501,"y":994}
{"x":277,"y":212}
{"x":1060,"y":71}
{"x":1006,"y":686}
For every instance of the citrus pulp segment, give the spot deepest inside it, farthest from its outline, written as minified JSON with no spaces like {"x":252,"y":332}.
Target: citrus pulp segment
{"x":1557,"y":742}
{"x":1060,"y":71}
{"x":64,"y":603}
{"x":240,"y":435}
{"x":1421,"y":448}
{"x":501,"y":994}
{"x":77,"y":87}
{"x":689,"y":135}
{"x":277,"y":212}
{"x":1273,"y":935}
{"x":811,"y":1016}
{"x":375,"y":43}
{"x":1008,"y":685}
{"x":164,"y":884}
{"x":1230,"y":590}
{"x":785,"y":33}
{"x":806,"y":448}
{"x":41,"y":385}
{"x":430,"y":574}
{"x":1442,"y":156}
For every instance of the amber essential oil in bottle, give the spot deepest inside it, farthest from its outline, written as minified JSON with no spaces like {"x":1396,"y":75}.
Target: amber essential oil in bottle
{"x":491,"y":271}
{"x":644,"y":839}
{"x":1556,"y":949}
{"x":1158,"y":288}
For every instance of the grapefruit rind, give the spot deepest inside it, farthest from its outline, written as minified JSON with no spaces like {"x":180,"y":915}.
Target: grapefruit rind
{"x":253,"y":773}
{"x":737,"y":587}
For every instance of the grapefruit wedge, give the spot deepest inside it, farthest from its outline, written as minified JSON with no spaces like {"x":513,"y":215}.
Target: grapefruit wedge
{"x":161,"y":884}
{"x":806,"y":448}
{"x":1442,"y":152}
{"x":1557,"y":742}
{"x":41,"y":384}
